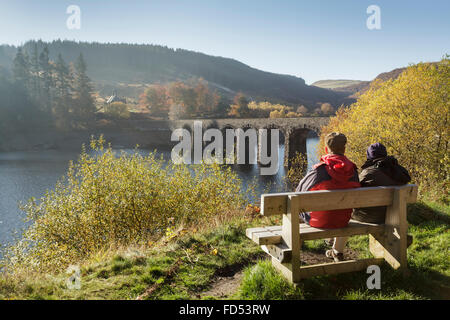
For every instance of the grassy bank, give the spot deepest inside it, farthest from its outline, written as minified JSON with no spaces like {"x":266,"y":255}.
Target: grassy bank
{"x":187,"y":264}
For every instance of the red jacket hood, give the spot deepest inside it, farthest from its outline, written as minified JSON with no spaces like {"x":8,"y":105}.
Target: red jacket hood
{"x":338,"y":166}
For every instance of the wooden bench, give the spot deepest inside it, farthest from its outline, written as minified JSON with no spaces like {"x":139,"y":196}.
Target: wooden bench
{"x":387,"y":242}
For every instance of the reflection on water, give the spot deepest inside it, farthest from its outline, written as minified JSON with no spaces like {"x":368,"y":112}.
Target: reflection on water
{"x":30,"y":174}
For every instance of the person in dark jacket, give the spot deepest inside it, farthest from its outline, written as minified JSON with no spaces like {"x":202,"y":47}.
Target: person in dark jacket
{"x":379,"y":170}
{"x":334,"y":171}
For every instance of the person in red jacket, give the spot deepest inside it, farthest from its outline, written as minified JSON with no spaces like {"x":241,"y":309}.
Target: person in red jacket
{"x":334,"y":171}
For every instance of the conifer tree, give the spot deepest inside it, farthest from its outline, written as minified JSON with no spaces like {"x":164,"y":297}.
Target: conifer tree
{"x":35,"y":90}
{"x":84,"y":107}
{"x":21,"y":69}
{"x":45,"y":69}
{"x":62,"y":103}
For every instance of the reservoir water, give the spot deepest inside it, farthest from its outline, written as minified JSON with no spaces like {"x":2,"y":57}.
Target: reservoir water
{"x":29,"y":174}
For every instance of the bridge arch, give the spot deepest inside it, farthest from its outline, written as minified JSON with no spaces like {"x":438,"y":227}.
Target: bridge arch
{"x":297,"y":141}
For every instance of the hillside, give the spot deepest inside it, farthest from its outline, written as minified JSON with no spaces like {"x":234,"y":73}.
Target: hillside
{"x":393,"y":74}
{"x":351,"y":87}
{"x":131,"y":66}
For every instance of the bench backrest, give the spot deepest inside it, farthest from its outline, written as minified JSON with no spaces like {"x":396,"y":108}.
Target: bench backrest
{"x":277,"y":203}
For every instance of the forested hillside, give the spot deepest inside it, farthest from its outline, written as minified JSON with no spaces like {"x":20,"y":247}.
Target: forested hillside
{"x":111,"y":64}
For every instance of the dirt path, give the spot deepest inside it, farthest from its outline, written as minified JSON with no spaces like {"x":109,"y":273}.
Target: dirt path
{"x":228,"y":281}
{"x":224,"y":287}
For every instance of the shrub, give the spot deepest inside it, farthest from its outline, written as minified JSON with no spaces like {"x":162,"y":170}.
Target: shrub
{"x":410,"y":116}
{"x":108,"y":200}
{"x":292,"y":114}
{"x":296,"y":170}
{"x":284,"y":113}
{"x":277,"y":114}
{"x":117,"y":110}
{"x":266,"y":109}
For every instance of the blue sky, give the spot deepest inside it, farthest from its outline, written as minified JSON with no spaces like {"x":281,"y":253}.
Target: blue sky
{"x":311,"y":39}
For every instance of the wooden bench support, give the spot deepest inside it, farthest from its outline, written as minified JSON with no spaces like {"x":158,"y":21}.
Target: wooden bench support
{"x":290,"y":231}
{"x":279,"y":251}
{"x":393,"y":243}
{"x":338,"y":267}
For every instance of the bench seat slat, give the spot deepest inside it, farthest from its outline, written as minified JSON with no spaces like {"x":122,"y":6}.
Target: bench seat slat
{"x":264,"y":235}
{"x":267,"y":237}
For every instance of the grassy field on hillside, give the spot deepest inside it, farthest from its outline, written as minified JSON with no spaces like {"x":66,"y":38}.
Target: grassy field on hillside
{"x":335,"y":84}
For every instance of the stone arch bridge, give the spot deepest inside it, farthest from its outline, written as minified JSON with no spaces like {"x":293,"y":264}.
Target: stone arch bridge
{"x":294,"y":131}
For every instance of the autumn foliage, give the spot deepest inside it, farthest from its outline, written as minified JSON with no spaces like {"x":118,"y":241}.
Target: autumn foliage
{"x":156,"y":100}
{"x":265,"y":109}
{"x":239,"y":108}
{"x":410,"y":116}
{"x":184,"y":100}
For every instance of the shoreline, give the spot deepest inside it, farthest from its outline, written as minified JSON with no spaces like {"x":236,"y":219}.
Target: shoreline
{"x":51,"y":139}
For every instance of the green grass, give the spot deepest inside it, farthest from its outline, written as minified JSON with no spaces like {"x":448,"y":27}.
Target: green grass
{"x":185,"y":267}
{"x":263,"y":282}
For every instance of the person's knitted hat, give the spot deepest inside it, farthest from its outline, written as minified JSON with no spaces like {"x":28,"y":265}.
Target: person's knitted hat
{"x":336,"y":142}
{"x":376,"y":150}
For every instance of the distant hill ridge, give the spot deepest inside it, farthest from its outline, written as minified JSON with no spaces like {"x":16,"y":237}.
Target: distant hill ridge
{"x":110,"y":64}
{"x":353,"y":86}
{"x":340,"y":85}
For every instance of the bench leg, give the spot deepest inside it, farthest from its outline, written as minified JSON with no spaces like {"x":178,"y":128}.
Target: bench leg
{"x":393,"y":243}
{"x":376,"y":245}
{"x":291,"y":236}
{"x":286,"y":271}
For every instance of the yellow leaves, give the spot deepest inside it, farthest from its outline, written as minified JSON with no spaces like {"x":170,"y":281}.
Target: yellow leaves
{"x":275,"y":110}
{"x":296,"y":171}
{"x":214,"y":252}
{"x":409,"y":115}
{"x":171,"y":233}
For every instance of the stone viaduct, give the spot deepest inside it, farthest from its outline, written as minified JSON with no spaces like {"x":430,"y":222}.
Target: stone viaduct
{"x":293,"y":131}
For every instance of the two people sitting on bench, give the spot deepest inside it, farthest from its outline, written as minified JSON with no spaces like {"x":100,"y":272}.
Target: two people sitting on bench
{"x":335,"y":171}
